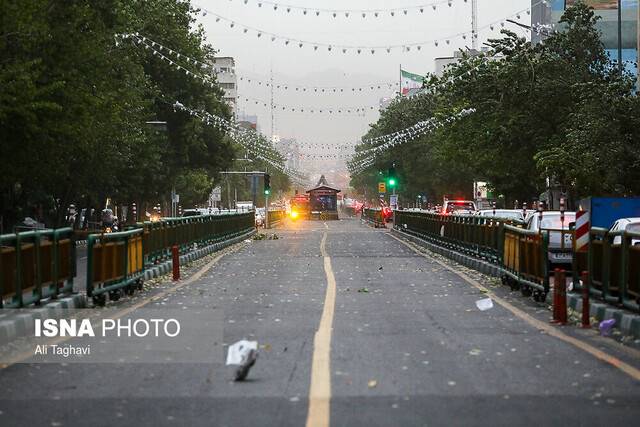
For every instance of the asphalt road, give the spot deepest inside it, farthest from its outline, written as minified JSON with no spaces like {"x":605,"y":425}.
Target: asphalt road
{"x":408,"y":347}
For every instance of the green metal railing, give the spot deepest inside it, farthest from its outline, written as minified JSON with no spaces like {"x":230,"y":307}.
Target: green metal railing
{"x":117,"y":261}
{"x":35,"y":265}
{"x":276,"y":216}
{"x":613,"y":263}
{"x":160,"y":236}
{"x":374,"y":216}
{"x":521,"y":255}
{"x":114,"y":261}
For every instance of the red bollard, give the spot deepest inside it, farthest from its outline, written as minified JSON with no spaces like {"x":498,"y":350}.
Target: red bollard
{"x":586,"y":323}
{"x":176,"y":262}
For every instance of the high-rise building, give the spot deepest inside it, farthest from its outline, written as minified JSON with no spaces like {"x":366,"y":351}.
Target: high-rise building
{"x":549,"y":13}
{"x":224,"y":67}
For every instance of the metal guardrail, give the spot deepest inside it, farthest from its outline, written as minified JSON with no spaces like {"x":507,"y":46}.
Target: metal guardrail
{"x":521,"y":255}
{"x":276,"y":216}
{"x":614,"y":267}
{"x":160,"y":236}
{"x":374,"y":216}
{"x":116,"y":261}
{"x":35,"y":265}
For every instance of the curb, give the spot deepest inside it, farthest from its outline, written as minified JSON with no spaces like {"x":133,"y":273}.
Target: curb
{"x":15,"y":323}
{"x":628,"y":323}
{"x":20,"y":323}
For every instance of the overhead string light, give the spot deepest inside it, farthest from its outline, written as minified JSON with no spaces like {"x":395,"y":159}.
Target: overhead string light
{"x":360,"y":110}
{"x":157,"y":50}
{"x":321,"y":90}
{"x":289,"y":9}
{"x":253,"y":142}
{"x":365,"y":157}
{"x":360,"y":49}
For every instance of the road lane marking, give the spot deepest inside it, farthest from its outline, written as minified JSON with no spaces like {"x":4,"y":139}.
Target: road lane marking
{"x":196,"y":276}
{"x":538,"y":324}
{"x":320,"y":387}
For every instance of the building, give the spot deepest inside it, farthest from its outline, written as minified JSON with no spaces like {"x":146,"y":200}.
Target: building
{"x":549,"y":15}
{"x":225,"y":69}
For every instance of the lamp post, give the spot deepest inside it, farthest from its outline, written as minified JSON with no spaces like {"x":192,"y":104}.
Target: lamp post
{"x":620,"y":65}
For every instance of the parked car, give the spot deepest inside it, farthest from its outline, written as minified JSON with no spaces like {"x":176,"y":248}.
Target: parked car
{"x":510,"y":214}
{"x":459,"y":207}
{"x":560,"y":244}
{"x":625,"y":224}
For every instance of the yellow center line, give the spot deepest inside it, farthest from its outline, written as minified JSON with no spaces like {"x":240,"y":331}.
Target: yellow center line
{"x":538,"y":324}
{"x":320,"y":388}
{"x":125,"y":311}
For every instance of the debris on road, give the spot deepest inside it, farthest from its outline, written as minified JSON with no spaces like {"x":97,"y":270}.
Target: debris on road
{"x":244,"y":354}
{"x":372,"y":383}
{"x":262,"y":236}
{"x":363,"y":290}
{"x":606,"y":326}
{"x":484,"y":304}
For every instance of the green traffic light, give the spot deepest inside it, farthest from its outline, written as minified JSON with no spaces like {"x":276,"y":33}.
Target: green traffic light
{"x":267,"y":192}
{"x":392,"y":182}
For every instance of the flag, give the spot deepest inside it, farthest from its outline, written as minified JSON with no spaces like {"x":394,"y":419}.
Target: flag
{"x":410,"y":81}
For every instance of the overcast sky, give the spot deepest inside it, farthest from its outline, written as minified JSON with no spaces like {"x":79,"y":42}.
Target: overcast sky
{"x":256,"y":56}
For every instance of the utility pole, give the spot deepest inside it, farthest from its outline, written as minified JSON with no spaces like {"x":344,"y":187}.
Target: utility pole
{"x":620,"y":64}
{"x":474,"y":24}
{"x":273,"y":127}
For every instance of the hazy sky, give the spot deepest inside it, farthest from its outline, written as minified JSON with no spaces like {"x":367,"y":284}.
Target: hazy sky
{"x":256,"y":56}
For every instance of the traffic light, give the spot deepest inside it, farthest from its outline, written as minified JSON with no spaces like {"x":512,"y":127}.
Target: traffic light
{"x":392,"y":179}
{"x":267,"y":184}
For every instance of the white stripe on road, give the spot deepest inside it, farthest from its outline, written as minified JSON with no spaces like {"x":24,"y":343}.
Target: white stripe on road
{"x":320,"y":388}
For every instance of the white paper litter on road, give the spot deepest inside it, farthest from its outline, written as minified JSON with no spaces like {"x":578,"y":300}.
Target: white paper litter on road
{"x":238,"y":351}
{"x":484,"y":304}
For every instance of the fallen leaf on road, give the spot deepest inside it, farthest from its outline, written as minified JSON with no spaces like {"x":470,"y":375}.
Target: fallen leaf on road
{"x":372,"y":383}
{"x":363,"y":290}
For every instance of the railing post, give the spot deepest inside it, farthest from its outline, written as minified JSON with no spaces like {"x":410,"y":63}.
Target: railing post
{"x":586,"y":323}
{"x":556,"y":295}
{"x":176,"y":262}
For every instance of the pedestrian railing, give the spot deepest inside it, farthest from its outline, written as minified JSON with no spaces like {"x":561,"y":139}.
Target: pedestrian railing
{"x":613,"y":264}
{"x":373,"y":216}
{"x":117,"y":261}
{"x":114,"y":261}
{"x":521,"y":255}
{"x":35,"y":265}
{"x":276,"y":217}
{"x":160,"y":236}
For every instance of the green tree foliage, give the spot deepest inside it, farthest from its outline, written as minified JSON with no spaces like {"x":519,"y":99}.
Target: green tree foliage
{"x":75,"y":102}
{"x":558,"y":110}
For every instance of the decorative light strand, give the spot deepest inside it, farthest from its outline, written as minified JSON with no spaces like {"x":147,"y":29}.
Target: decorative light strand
{"x":347,"y":13}
{"x":405,"y":47}
{"x":367,"y":156}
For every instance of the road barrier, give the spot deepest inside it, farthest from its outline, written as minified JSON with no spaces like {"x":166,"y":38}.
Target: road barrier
{"x":35,"y":265}
{"x":117,"y":261}
{"x":160,"y":236}
{"x":519,"y":254}
{"x":374,"y":217}
{"x":276,"y":216}
{"x":114,"y":261}
{"x":613,"y":266}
